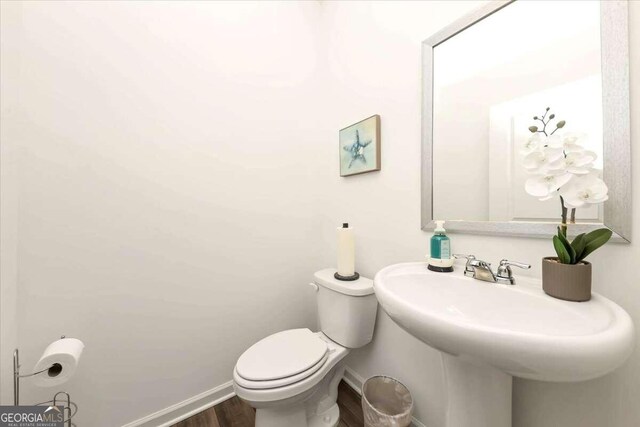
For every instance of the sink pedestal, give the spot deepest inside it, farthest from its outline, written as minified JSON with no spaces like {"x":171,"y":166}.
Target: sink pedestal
{"x":477,"y":395}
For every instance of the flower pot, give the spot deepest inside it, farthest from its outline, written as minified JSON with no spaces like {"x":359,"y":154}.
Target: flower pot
{"x":571,"y":282}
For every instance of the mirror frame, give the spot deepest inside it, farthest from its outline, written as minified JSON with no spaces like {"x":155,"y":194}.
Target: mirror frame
{"x":614,"y":37}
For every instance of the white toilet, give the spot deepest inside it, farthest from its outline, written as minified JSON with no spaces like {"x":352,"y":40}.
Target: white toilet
{"x":292,"y":377}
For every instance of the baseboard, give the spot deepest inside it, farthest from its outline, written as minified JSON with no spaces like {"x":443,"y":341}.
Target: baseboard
{"x":180,"y":411}
{"x":355,"y":381}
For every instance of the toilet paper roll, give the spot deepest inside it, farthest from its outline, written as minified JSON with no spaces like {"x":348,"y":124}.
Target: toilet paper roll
{"x":346,"y":251}
{"x":60,"y":359}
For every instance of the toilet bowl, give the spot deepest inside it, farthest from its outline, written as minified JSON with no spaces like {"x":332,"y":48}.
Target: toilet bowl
{"x":290,"y":398}
{"x":291,"y":377}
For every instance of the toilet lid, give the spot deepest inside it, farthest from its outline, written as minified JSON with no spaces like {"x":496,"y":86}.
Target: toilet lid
{"x":281,"y":355}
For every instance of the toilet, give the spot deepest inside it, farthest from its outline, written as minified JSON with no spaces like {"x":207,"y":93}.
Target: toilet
{"x":291,"y":377}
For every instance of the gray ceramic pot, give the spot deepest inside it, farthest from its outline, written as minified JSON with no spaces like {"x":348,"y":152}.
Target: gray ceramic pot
{"x":566,"y":281}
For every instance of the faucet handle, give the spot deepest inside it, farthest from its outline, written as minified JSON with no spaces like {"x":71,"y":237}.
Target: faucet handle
{"x":507,"y":263}
{"x":468,"y":269}
{"x":504,"y":273}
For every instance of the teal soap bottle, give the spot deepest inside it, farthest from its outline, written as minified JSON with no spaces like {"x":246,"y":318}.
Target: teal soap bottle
{"x":440,"y":257}
{"x":440,"y":243}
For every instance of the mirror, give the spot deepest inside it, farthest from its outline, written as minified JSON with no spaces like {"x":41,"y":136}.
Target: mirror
{"x":519,"y":99}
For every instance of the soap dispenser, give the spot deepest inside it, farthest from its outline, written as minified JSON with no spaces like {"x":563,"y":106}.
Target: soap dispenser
{"x":440,"y":259}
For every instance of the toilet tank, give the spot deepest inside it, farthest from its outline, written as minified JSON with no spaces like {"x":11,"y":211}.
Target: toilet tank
{"x":346,"y":309}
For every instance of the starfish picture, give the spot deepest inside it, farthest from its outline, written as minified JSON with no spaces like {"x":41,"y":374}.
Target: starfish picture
{"x":359,"y":147}
{"x":357,"y":150}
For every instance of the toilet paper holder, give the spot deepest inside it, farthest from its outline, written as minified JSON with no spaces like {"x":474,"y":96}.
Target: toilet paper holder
{"x":70,"y":409}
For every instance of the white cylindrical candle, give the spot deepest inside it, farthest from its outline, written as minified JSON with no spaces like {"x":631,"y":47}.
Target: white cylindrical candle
{"x":346,"y":251}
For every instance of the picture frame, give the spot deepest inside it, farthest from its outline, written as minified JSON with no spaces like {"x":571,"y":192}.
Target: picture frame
{"x":359,"y":147}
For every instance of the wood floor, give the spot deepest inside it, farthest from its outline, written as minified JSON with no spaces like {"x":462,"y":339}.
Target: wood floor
{"x":235,"y":413}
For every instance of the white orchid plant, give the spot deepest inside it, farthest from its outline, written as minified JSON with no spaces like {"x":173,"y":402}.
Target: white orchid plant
{"x":561,"y":167}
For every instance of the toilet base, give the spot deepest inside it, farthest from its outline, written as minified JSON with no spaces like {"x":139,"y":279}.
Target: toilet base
{"x":316,"y":407}
{"x":278,"y":417}
{"x":329,"y":418}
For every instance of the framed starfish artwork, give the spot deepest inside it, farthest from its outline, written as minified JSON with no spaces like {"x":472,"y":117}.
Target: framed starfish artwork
{"x":360,"y":147}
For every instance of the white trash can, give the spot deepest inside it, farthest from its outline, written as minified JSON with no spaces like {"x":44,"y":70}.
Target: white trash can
{"x":386,"y":402}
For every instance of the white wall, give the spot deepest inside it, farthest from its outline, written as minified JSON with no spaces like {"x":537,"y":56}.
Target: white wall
{"x":374,"y":48}
{"x":10,"y":21}
{"x":166,"y":200}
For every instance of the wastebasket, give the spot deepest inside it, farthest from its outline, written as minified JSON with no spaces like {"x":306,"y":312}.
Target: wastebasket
{"x":386,"y":402}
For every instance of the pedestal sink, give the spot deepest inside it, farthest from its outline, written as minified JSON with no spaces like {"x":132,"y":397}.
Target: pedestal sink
{"x":489,"y":332}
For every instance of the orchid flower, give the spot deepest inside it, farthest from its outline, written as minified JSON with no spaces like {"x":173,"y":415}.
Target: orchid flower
{"x":575,"y":162}
{"x":584,"y":189}
{"x":534,"y":142}
{"x":545,"y":186}
{"x":539,"y":161}
{"x":569,"y":142}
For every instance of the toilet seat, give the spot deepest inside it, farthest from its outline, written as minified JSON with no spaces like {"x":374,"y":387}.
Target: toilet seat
{"x":298,"y":387}
{"x":281,"y":359}
{"x":262,"y":385}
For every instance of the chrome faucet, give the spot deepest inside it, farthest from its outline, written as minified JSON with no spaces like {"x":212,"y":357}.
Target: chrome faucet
{"x":481,"y":270}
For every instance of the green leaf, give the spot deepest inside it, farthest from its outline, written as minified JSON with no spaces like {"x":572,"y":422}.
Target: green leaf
{"x":578,"y":245}
{"x":563,"y":255}
{"x":594,"y":240}
{"x":568,"y":247}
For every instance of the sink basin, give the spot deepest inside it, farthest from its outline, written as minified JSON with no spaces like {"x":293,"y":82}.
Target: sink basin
{"x":493,"y":331}
{"x":518,"y":329}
